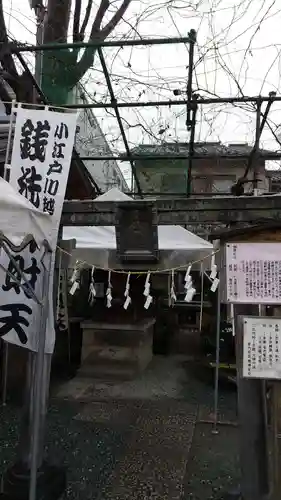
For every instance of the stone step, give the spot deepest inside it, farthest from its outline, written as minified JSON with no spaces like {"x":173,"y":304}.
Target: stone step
{"x":108,"y":370}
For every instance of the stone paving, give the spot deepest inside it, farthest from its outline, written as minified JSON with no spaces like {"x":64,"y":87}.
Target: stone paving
{"x":139,"y":448}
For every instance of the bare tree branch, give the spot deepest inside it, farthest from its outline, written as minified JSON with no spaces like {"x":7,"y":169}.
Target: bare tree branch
{"x":104,"y":6}
{"x":76,"y":21}
{"x":105,"y":32}
{"x":86,"y":19}
{"x":98,"y":33}
{"x":7,"y":60}
{"x":57,"y":21}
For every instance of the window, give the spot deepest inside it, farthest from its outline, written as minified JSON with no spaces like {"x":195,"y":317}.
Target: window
{"x":200,"y":184}
{"x":222,"y":184}
{"x":275,"y":186}
{"x":173,"y":183}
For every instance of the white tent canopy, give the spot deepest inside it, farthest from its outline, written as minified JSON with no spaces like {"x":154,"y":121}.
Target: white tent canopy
{"x":97,"y":245}
{"x":18,"y":217}
{"x":114,"y":195}
{"x":104,"y":237}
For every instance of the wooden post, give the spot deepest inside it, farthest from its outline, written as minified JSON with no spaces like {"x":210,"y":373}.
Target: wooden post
{"x":252,"y":428}
{"x":276,"y":429}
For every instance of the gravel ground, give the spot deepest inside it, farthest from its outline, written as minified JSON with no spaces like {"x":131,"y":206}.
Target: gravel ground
{"x":88,"y":451}
{"x":139,"y":449}
{"x":213,"y":466}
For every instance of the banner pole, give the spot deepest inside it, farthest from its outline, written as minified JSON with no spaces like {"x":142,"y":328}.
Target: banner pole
{"x":39,"y":380}
{"x":5,"y":360}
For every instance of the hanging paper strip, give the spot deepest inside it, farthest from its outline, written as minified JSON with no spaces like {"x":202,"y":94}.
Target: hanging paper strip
{"x":149,"y":298}
{"x":92,"y":290}
{"x":172,"y":291}
{"x":108,"y":291}
{"x":189,"y":288}
{"x":128,"y":299}
{"x":215,"y":285}
{"x":75,"y":280}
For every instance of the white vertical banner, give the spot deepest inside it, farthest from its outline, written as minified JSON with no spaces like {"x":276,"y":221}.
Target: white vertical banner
{"x":41,"y":157}
{"x":19,"y":313}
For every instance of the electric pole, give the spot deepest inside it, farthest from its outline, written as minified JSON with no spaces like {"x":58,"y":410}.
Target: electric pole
{"x":40,"y":12}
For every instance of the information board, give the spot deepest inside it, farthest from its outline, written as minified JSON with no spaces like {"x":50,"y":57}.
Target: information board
{"x":261,"y":348}
{"x":253,"y":273}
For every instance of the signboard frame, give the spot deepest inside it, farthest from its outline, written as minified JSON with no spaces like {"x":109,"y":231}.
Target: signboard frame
{"x":260,"y":288}
{"x":264,"y":353}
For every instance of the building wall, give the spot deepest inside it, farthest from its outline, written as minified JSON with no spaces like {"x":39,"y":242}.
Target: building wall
{"x":208,"y":175}
{"x":274,"y":180}
{"x":90,"y":141}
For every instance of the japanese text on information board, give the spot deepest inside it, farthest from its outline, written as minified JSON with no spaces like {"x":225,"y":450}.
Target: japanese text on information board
{"x":261,"y":348}
{"x":253,"y":273}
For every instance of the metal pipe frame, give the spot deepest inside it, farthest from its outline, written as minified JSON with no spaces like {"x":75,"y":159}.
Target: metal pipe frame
{"x":192,"y":35}
{"x":183,"y":194}
{"x":255,"y":153}
{"x":124,"y":157}
{"x":256,"y":147}
{"x":174,"y":102}
{"x":100,"y":44}
{"x":118,"y":117}
{"x":189,"y":102}
{"x":191,"y":150}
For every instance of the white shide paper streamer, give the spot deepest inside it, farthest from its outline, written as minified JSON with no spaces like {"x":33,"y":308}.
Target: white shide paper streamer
{"x":92,"y":290}
{"x":109,"y":291}
{"x":128,"y":299}
{"x":172,"y":291}
{"x":75,"y":280}
{"x":146,"y":292}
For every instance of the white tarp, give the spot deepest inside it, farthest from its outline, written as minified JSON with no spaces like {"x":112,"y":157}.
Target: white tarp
{"x":19,"y":218}
{"x":104,"y":237}
{"x":114,"y":195}
{"x":96,"y":246}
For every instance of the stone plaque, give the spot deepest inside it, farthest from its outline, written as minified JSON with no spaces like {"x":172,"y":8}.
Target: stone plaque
{"x":137,"y":232}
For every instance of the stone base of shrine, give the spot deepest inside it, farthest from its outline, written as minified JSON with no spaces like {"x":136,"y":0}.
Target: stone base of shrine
{"x":119,"y":350}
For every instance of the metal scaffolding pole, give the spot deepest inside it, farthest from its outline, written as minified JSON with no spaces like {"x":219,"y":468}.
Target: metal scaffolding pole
{"x":189,"y":122}
{"x":255,"y":153}
{"x":191,"y":150}
{"x":100,"y":44}
{"x":123,"y":157}
{"x":118,"y":117}
{"x":174,"y":102}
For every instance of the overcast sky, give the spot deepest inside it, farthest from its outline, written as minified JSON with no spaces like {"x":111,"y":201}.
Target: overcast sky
{"x":238,"y":51}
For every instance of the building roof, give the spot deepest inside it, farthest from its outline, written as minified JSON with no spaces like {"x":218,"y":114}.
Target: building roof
{"x":246,"y":229}
{"x":200,"y":149}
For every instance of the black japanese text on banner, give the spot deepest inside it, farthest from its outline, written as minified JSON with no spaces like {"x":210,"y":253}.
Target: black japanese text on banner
{"x":41,"y":157}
